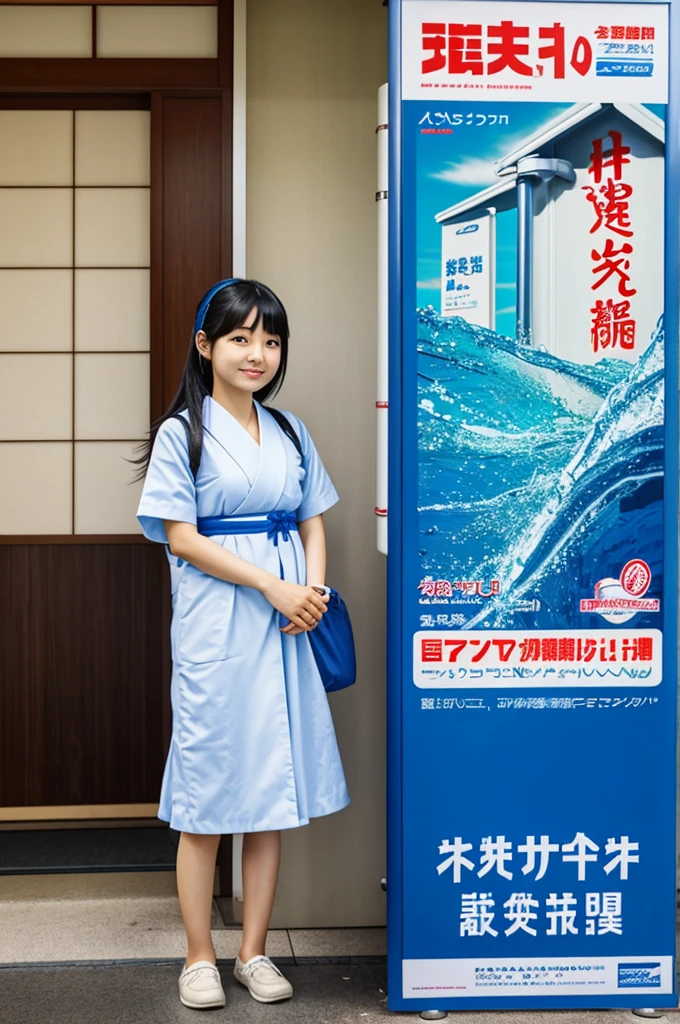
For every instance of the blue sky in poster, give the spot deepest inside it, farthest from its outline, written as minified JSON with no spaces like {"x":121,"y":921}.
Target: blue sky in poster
{"x":453,"y":167}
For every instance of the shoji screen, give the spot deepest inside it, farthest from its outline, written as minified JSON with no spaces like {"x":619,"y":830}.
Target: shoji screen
{"x":130,"y":30}
{"x":74,"y":318}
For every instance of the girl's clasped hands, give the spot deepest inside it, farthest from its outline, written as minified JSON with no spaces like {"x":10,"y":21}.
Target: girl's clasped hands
{"x":303,"y":606}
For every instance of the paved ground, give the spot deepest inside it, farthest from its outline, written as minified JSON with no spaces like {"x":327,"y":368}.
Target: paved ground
{"x":147,"y":994}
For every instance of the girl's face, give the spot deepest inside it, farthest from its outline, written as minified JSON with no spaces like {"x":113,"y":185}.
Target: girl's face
{"x":246,"y":359}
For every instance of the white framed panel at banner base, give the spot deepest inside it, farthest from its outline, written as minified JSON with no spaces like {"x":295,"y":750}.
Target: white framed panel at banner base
{"x":469,"y":269}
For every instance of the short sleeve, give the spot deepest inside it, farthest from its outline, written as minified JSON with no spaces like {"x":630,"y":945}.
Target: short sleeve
{"x":169,"y":490}
{"x":318,"y":492}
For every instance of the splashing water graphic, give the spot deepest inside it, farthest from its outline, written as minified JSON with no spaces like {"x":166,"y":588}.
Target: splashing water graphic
{"x":547,"y":474}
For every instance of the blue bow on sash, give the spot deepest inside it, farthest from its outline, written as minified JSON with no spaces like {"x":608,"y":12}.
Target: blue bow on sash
{"x":281,"y":523}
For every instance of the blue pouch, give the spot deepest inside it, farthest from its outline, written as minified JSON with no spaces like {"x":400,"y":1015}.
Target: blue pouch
{"x":332,"y":643}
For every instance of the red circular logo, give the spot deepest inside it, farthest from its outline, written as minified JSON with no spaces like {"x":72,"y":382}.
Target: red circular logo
{"x":635,"y":577}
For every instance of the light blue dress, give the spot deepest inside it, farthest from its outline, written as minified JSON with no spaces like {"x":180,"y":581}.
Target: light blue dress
{"x":253,"y":745}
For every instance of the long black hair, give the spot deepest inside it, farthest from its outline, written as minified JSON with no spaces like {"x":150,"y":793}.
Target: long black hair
{"x":227,"y":310}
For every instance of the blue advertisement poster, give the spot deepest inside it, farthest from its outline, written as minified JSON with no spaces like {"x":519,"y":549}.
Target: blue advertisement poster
{"x":537,"y":635}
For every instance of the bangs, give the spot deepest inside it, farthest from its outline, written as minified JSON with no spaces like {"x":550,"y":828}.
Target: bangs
{"x":270,"y":313}
{"x":235,"y":304}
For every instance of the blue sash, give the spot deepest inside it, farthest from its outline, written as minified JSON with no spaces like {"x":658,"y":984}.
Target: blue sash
{"x":271,"y":523}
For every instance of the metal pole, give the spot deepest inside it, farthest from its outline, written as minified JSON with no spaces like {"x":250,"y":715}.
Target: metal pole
{"x":530,"y":169}
{"x":525,"y":215}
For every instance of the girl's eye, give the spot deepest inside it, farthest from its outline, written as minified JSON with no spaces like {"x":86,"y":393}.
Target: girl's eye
{"x":239,"y":337}
{"x":275,"y":342}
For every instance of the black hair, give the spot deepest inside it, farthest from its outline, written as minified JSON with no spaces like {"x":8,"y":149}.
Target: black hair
{"x":228,"y":310}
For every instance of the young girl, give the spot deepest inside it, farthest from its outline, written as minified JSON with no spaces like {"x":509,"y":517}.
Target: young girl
{"x":253,"y":748}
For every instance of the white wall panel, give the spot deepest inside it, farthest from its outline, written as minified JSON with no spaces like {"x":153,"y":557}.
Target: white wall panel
{"x":311,"y":236}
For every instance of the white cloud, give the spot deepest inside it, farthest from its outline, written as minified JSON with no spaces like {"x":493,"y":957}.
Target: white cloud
{"x":479,"y":171}
{"x":471,"y":172}
{"x":431,"y":283}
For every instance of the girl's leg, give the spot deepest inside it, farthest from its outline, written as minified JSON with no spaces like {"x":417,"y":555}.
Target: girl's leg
{"x":196,"y":858}
{"x":261,"y":856}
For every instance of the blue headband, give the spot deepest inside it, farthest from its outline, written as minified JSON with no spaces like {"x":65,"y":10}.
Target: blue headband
{"x":203,"y":308}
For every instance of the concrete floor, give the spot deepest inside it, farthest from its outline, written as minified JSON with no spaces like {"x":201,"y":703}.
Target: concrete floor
{"x":48,"y":931}
{"x":108,"y":950}
{"x":148,"y":994}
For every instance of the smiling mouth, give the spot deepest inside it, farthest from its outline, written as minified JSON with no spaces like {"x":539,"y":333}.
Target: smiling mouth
{"x":253,"y":373}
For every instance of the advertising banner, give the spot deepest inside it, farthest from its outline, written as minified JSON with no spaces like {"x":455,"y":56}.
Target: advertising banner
{"x":535,"y":633}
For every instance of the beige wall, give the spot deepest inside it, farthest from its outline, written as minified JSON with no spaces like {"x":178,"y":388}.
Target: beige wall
{"x":314,"y":68}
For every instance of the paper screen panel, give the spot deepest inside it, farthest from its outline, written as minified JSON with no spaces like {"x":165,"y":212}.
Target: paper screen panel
{"x":112,"y":227}
{"x":37,"y":146}
{"x":37,"y":488}
{"x":45,"y":31}
{"x":112,"y":147}
{"x":36,"y":396}
{"x":112,"y":310}
{"x":36,"y":310}
{"x":145,"y":31}
{"x":36,"y":227}
{"x":105,"y":499}
{"x":112,"y":396}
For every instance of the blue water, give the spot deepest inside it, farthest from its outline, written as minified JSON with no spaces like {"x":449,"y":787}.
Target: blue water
{"x":542,"y":473}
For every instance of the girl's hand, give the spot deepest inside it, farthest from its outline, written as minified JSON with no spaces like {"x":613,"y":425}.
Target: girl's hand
{"x":294,"y":630}
{"x":303,"y":605}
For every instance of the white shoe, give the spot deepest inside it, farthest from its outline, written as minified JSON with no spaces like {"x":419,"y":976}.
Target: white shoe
{"x":263,"y":979}
{"x":200,"y":986}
